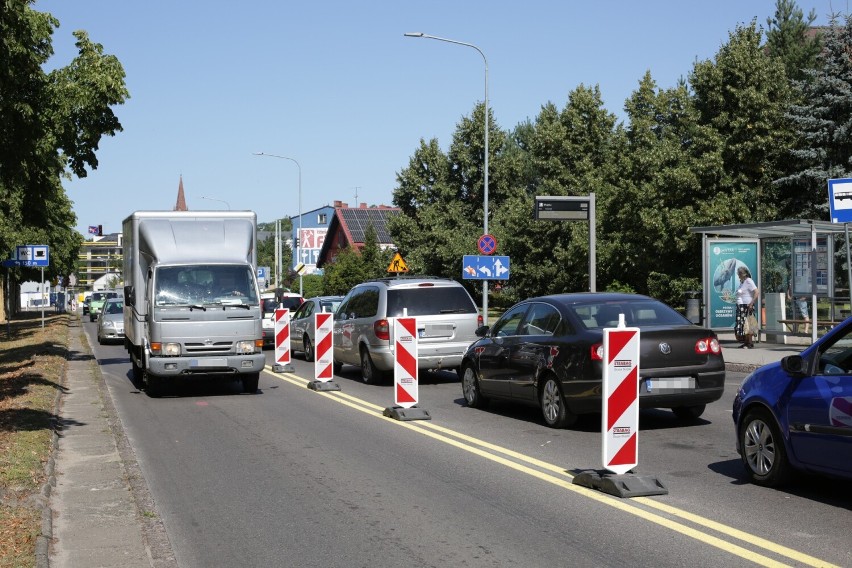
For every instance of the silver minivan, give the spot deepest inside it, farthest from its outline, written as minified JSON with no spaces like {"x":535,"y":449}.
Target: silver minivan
{"x":447,"y":319}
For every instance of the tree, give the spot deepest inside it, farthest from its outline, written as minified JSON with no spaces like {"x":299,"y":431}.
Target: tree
{"x":441,"y":198}
{"x":823,"y":126}
{"x":743,"y":96}
{"x":568,"y":152}
{"x":342,"y":274}
{"x":789,"y":38}
{"x":52,"y":126}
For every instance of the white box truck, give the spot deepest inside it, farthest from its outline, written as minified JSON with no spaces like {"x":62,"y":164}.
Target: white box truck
{"x":192,"y":306}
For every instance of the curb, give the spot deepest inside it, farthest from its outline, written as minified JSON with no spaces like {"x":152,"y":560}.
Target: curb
{"x":42,"y":545}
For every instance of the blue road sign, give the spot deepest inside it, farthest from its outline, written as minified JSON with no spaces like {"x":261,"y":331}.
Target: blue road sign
{"x":840,"y":200}
{"x":11,"y":262}
{"x":33,"y":255}
{"x":485,"y":267}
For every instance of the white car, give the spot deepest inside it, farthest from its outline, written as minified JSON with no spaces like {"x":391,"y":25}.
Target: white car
{"x":269,"y":303}
{"x":111,"y":321}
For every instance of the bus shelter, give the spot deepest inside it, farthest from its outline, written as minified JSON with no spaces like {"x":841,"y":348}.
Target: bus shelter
{"x":792,"y":263}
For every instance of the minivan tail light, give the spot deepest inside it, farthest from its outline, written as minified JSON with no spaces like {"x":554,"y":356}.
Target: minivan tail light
{"x":382,"y":329}
{"x":479,"y":321}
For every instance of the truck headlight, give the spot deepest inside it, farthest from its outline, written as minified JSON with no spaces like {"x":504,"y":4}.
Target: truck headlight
{"x":245,"y":347}
{"x":165,"y":349}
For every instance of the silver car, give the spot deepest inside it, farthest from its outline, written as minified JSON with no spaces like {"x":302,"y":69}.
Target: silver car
{"x":302,"y":330}
{"x":446,"y":315}
{"x":111,"y":321}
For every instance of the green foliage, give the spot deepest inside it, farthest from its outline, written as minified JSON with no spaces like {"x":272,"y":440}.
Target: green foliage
{"x":266,"y":253}
{"x":701,"y":153}
{"x":312,"y":285}
{"x":787,"y":39}
{"x":743,"y":95}
{"x":352,"y":267}
{"x":52,"y":127}
{"x":343,"y":273}
{"x":823,"y":127}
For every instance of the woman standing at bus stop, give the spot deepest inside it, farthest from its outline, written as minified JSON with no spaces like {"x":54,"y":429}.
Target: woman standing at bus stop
{"x":746,"y":297}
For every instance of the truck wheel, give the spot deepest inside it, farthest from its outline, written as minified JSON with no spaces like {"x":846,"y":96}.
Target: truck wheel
{"x":153,"y":385}
{"x":137,"y":373}
{"x":250,"y":383}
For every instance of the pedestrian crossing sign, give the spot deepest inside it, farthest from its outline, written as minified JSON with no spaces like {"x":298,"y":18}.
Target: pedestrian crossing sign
{"x":397,"y":264}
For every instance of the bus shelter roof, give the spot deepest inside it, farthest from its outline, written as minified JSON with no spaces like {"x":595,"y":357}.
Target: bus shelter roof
{"x":770,"y":229}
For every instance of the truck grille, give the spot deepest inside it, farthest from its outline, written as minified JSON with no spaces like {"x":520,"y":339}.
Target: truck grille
{"x":214,"y":348}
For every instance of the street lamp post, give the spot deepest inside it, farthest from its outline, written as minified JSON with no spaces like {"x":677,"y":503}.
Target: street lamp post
{"x":485,"y":191}
{"x":299,"y":239}
{"x":219,"y":200}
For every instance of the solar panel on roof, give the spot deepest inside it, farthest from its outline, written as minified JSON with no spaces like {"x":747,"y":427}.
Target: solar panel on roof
{"x":357,"y":220}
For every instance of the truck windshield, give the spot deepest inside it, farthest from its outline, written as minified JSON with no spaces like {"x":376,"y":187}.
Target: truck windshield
{"x":204,"y":284}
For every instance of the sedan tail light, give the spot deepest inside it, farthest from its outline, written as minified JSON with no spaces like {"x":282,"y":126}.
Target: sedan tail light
{"x":382,"y":329}
{"x":707,"y":346}
{"x":597,"y":352}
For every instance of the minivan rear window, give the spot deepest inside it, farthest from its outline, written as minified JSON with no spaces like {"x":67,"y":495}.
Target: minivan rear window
{"x":428,"y":301}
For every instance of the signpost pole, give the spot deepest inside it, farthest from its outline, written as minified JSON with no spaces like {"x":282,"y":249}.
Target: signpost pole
{"x":42,"y":298}
{"x":592,"y":246}
{"x":848,"y":265}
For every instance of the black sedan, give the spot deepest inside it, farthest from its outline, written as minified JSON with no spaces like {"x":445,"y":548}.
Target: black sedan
{"x":548,"y":352}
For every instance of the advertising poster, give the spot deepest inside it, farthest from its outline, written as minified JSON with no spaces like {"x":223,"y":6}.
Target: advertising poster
{"x":811,"y":270}
{"x":723,"y":260}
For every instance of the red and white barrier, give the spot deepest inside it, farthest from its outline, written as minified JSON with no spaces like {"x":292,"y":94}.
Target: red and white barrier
{"x":282,"y":336}
{"x":323,"y":352}
{"x":405,"y":362}
{"x":620,"y":424}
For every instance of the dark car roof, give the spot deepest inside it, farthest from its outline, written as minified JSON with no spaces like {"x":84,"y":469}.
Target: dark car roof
{"x":591,"y":297}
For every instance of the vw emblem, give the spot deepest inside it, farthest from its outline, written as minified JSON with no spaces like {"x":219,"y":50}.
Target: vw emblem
{"x":665,"y":348}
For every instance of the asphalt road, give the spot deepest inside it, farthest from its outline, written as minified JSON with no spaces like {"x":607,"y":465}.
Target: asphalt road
{"x":294,"y":477}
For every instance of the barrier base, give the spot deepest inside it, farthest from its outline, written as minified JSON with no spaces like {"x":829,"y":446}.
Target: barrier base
{"x":323,"y":386}
{"x":625,"y":485}
{"x":413,"y":413}
{"x":279,"y":368}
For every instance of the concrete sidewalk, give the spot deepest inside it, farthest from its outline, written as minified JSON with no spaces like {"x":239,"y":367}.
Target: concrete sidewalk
{"x":746,"y":360}
{"x":101,"y":511}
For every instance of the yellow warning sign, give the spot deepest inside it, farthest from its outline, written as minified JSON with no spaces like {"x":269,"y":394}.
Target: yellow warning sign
{"x":397,"y":264}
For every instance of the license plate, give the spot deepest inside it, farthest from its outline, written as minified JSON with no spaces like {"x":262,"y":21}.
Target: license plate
{"x":209,"y":362}
{"x":670,"y":384}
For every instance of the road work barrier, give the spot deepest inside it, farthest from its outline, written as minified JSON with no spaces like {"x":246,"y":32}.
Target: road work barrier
{"x":282,"y":364}
{"x":323,"y":353}
{"x":405,"y":372}
{"x":620,"y":424}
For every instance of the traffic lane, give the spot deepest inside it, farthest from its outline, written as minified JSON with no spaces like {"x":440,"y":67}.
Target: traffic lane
{"x":698,"y":463}
{"x":425,"y":382}
{"x":380,"y":504}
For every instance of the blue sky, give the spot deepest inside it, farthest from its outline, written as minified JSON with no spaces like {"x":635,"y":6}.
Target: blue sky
{"x":335,"y":86}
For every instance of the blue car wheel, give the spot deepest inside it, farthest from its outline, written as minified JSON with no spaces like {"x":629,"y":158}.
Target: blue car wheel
{"x":763,"y":451}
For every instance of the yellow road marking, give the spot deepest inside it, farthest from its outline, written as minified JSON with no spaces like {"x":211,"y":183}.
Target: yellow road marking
{"x":469,"y":444}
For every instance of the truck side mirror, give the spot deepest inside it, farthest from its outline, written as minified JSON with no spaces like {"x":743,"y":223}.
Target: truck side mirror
{"x":129,"y":296}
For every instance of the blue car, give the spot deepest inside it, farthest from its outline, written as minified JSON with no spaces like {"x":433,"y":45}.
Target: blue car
{"x":796,"y":414}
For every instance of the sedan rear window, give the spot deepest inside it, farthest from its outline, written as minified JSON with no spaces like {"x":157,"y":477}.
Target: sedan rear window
{"x":638,"y":314}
